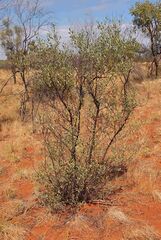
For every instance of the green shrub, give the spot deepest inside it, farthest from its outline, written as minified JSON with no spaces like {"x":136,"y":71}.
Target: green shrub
{"x":87,"y":99}
{"x":70,"y":184}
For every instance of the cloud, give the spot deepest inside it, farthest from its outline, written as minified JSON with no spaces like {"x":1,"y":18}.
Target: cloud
{"x":97,"y":8}
{"x":105,"y":4}
{"x":63,"y":31}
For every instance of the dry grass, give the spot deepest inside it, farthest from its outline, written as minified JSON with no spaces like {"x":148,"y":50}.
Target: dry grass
{"x":2,"y":170}
{"x":10,"y":152}
{"x":23,"y":174}
{"x":117,"y":223}
{"x":9,"y":192}
{"x":156,"y":195}
{"x":130,"y":228}
{"x":79,"y":227}
{"x":118,"y":215}
{"x":139,"y":74}
{"x":12,"y":209}
{"x":9,"y":231}
{"x":140,"y":233}
{"x":145,"y":175}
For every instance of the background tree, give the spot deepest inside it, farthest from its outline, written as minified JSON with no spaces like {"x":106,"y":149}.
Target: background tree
{"x":147,"y":17}
{"x":11,"y":42}
{"x":4,"y":4}
{"x":30,"y":18}
{"x":17,"y":39}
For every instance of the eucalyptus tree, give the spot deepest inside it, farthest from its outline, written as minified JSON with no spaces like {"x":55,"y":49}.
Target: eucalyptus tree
{"x":17,"y":37}
{"x":147,"y":17}
{"x":11,"y":43}
{"x":31,"y":18}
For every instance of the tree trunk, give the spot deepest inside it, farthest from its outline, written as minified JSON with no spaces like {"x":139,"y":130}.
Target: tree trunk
{"x":14,"y":75}
{"x":156,"y":66}
{"x":25,"y":98}
{"x":25,"y":84}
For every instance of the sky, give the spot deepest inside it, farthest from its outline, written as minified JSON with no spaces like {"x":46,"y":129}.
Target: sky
{"x":70,"y":12}
{"x":67,"y":13}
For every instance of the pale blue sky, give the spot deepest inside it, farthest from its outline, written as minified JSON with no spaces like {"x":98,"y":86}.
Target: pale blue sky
{"x":69,"y":11}
{"x":66,"y":13}
{"x":72,"y":12}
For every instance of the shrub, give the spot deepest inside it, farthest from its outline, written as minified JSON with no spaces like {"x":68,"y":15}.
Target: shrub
{"x":87,"y":102}
{"x":70,"y":184}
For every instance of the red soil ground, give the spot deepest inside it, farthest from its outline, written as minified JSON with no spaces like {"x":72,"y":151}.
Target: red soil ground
{"x":134,"y":213}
